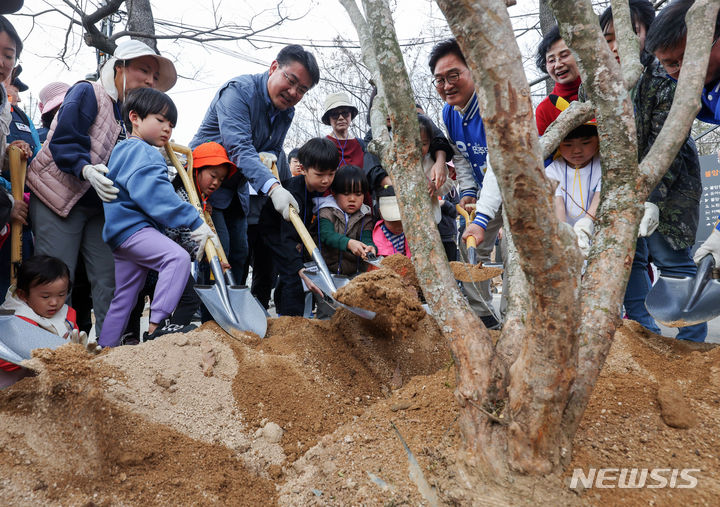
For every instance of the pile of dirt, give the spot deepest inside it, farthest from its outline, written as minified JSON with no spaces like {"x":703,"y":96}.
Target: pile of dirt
{"x":319,"y":413}
{"x":66,"y":441}
{"x":473,"y":272}
{"x":396,"y":304}
{"x":403,"y":266}
{"x":311,"y":376}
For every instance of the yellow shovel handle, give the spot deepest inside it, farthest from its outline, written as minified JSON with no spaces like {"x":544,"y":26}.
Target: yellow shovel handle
{"x":18,"y":169}
{"x":186,"y":177}
{"x":470,"y":241}
{"x":302,"y":230}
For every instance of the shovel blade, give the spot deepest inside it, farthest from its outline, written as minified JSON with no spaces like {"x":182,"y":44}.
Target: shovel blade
{"x":668,"y":300}
{"x":339,"y":280}
{"x":18,"y":338}
{"x":245,"y":313}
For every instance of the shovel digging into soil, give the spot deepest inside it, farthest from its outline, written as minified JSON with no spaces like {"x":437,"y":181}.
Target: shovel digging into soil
{"x":472,"y":272}
{"x":320,"y":275}
{"x":233,"y":307}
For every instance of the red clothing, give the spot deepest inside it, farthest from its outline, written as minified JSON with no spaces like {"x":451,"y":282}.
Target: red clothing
{"x":351,"y":151}
{"x":546,"y":112}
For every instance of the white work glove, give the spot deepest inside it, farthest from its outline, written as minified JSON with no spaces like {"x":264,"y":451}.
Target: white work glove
{"x":201,"y":235}
{"x":267,"y":159}
{"x":584,"y":230}
{"x":282,"y":200}
{"x":95,"y":175}
{"x":710,"y":246}
{"x":81,"y":338}
{"x":650,"y":220}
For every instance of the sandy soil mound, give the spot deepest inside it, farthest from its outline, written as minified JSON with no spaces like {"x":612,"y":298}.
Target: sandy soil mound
{"x":403,"y":266}
{"x":66,"y":442}
{"x":304,"y":418}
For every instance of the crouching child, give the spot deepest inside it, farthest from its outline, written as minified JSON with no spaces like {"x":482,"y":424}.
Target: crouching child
{"x":319,"y":158}
{"x":346,"y":223}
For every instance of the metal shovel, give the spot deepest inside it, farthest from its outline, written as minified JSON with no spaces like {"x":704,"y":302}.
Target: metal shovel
{"x":471,"y":245}
{"x":679,"y":301}
{"x":321,"y":275}
{"x":18,"y":338}
{"x":374,"y":260}
{"x":233,"y":307}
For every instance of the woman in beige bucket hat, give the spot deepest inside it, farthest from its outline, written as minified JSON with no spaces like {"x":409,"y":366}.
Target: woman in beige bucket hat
{"x":339,"y":114}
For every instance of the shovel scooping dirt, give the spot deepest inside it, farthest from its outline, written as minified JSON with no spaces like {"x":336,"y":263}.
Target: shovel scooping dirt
{"x":473,"y":272}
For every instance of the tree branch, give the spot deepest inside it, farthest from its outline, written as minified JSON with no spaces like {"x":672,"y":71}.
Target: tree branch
{"x":574,"y":116}
{"x":628,"y":43}
{"x":686,"y":104}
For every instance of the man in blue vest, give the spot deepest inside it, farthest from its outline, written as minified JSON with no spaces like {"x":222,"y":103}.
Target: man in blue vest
{"x":454,"y":83}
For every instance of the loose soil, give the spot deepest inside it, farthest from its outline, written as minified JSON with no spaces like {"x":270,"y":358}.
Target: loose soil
{"x":314,"y":415}
{"x":473,"y":272}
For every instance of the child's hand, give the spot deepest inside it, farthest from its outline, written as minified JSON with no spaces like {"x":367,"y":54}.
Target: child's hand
{"x":225,"y":265}
{"x":439,"y":173}
{"x":431,"y":188}
{"x":358,"y":248}
{"x":311,"y":286}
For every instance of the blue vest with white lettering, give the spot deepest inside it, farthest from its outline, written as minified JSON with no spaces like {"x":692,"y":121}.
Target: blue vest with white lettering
{"x":468,"y":134}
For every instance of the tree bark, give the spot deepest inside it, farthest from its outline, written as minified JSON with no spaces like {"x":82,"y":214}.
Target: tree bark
{"x":469,"y":341}
{"x":140,"y":20}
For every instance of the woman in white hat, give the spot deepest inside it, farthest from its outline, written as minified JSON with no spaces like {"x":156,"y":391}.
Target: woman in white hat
{"x":339,"y":114}
{"x":67,"y":177}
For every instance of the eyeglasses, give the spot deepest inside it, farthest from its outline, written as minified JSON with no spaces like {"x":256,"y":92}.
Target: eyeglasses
{"x":451,"y":78}
{"x":337,"y":114}
{"x":674,"y":67}
{"x":300,"y":89}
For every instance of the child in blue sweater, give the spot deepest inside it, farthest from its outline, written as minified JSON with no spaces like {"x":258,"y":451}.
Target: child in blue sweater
{"x":146,"y":204}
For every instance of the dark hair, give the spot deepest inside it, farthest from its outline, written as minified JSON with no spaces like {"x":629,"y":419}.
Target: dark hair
{"x":641,"y":11}
{"x":296,"y":53}
{"x":146,"y":101}
{"x":39,"y":270}
{"x":426,"y":125}
{"x":6,"y":26}
{"x":582,"y":131}
{"x":350,"y":179}
{"x":546,"y":43}
{"x":669,"y":29}
{"x":47,"y":117}
{"x":319,"y":153}
{"x":444,"y":48}
{"x":293,"y":154}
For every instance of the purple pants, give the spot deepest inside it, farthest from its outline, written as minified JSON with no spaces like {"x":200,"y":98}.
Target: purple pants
{"x":148,"y":249}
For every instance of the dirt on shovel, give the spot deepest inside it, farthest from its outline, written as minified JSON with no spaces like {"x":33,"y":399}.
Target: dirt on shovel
{"x":473,"y":273}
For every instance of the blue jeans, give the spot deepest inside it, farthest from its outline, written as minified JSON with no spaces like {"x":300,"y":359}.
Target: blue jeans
{"x":231,"y":227}
{"x":668,"y":262}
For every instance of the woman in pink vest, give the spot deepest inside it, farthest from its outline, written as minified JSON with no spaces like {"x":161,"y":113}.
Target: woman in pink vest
{"x":67,"y":177}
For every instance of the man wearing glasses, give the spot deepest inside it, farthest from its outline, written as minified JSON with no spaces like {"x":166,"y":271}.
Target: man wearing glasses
{"x":454,"y":83}
{"x":250,"y":116}
{"x":666,"y":39}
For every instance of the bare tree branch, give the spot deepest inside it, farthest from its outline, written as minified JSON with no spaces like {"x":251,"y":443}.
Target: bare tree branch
{"x":628,"y":43}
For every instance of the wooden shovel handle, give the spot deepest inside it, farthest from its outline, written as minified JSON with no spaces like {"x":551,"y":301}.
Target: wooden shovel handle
{"x":18,"y":169}
{"x":186,"y":177}
{"x":302,"y":230}
{"x":470,"y":242}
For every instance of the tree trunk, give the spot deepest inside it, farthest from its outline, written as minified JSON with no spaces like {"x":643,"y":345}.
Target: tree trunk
{"x":140,"y":20}
{"x":547,"y":22}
